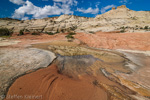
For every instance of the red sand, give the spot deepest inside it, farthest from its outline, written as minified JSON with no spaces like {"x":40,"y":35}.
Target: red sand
{"x":48,"y":84}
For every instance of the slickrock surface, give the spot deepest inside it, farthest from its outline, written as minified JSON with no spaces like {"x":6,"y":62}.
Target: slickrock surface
{"x":17,"y":62}
{"x":81,"y":73}
{"x":7,"y":42}
{"x":114,"y":20}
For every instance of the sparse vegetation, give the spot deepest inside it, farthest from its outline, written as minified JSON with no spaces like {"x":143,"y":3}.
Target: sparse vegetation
{"x":57,"y":32}
{"x":73,"y":28}
{"x":122,"y":27}
{"x":72,"y":33}
{"x":50,"y":33}
{"x":122,"y":31}
{"x":91,"y":32}
{"x":95,"y":82}
{"x":70,"y":36}
{"x":141,"y":27}
{"x":134,"y":18}
{"x":146,"y":27}
{"x":21,"y":33}
{"x":35,"y":33}
{"x":5,"y":32}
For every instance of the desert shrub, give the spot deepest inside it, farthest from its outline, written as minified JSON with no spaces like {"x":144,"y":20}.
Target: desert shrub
{"x":122,"y":27}
{"x":57,"y":32}
{"x":146,"y":27}
{"x":91,"y":32}
{"x":72,"y":33}
{"x":134,"y":18}
{"x":5,"y":32}
{"x":73,"y":28}
{"x":122,"y":31}
{"x":69,"y":36}
{"x":50,"y":33}
{"x":95,"y":82}
{"x":127,"y":27}
{"x":35,"y":33}
{"x":141,"y":27}
{"x":21,"y":32}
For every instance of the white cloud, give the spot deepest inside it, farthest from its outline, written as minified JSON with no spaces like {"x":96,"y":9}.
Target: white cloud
{"x":25,"y":18}
{"x":41,"y":12}
{"x":125,"y":2}
{"x":18,"y":2}
{"x":89,"y":10}
{"x":104,"y":9}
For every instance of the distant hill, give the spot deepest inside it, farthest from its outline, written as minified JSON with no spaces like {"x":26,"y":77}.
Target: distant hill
{"x":118,"y":19}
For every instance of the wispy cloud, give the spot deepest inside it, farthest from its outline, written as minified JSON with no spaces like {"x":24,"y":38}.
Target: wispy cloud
{"x":89,"y":10}
{"x":123,"y":1}
{"x":18,"y":2}
{"x":104,"y":9}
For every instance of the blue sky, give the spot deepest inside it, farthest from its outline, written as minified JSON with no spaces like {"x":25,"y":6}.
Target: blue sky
{"x":34,"y":9}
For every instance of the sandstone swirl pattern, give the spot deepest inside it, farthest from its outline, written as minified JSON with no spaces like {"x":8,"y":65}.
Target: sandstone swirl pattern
{"x":82,"y":73}
{"x":17,"y":62}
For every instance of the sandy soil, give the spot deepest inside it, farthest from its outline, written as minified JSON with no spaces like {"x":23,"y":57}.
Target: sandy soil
{"x":131,"y":41}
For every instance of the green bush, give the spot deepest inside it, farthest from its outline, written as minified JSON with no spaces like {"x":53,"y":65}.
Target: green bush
{"x":5,"y":32}
{"x":21,"y":32}
{"x":35,"y":33}
{"x":69,"y":36}
{"x":146,"y":27}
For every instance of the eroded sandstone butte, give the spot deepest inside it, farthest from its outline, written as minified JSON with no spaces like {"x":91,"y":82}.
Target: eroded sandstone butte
{"x":119,"y":19}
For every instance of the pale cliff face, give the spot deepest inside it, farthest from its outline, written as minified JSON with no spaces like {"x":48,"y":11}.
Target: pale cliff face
{"x":109,"y":21}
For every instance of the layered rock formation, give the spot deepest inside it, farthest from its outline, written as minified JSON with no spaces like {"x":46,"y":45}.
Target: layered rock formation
{"x":81,"y":73}
{"x":17,"y":62}
{"x":112,"y":20}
